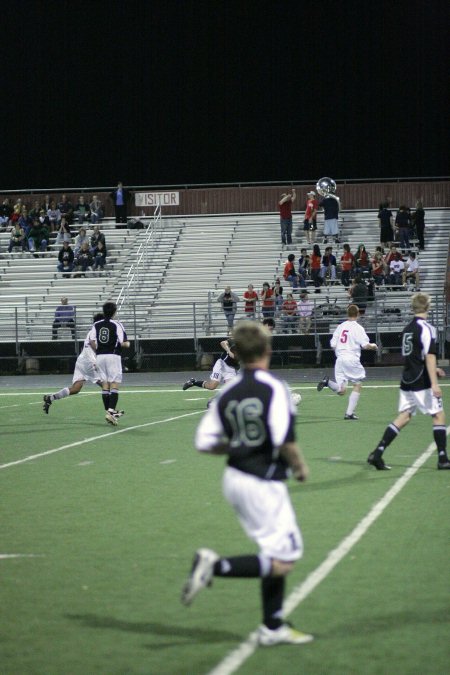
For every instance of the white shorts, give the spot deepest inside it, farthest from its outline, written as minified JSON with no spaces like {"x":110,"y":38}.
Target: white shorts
{"x":424,"y":399}
{"x":265,"y":512}
{"x":331,"y":226}
{"x":85,"y":369}
{"x":348,"y":370}
{"x":221,"y":372}
{"x":109,"y":367}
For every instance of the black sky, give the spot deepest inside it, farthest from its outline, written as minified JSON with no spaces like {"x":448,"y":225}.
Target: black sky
{"x":182,"y":92}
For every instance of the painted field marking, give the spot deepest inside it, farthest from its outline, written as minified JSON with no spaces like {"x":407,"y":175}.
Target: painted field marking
{"x":238,"y":656}
{"x":4,"y":556}
{"x":96,"y":438}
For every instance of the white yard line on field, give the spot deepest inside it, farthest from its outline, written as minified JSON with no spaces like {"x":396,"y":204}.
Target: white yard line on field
{"x":235,"y":659}
{"x":96,"y":438}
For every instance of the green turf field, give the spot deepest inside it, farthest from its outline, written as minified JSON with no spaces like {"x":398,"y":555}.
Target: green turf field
{"x":108,"y":519}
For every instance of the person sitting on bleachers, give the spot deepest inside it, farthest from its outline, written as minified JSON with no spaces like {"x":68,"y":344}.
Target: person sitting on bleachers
{"x":66,"y":208}
{"x":97,"y":212}
{"x":35,"y":211}
{"x":64,"y":233}
{"x":82,"y":212}
{"x":289,"y":314}
{"x":362,"y":260}
{"x":17,"y":239}
{"x":66,"y":259}
{"x":316,"y":264}
{"x":289,"y":273}
{"x":25,"y":221}
{"x":84,"y":260}
{"x":38,"y":237}
{"x":64,"y":317}
{"x":5,"y":215}
{"x":80,"y":239}
{"x":97,"y":236}
{"x":378,"y":269}
{"x":304,"y":267}
{"x":358,"y":293}
{"x":278,"y":293}
{"x":411,"y":271}
{"x":328,"y":267}
{"x":99,"y":255}
{"x":396,"y":267}
{"x":54,"y":216}
{"x":304,"y":310}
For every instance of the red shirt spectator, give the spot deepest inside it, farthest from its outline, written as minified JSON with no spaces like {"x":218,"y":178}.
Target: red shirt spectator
{"x":250,"y":298}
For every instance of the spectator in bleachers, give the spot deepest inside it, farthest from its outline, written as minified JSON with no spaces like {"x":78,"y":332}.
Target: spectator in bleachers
{"x":362,"y":261}
{"x":304,"y":267}
{"x":347,"y":265}
{"x":82,"y":212}
{"x":54,"y":216}
{"x":5,"y":215}
{"x":25,"y":221}
{"x":285,"y":208}
{"x":403,"y":225}
{"x":390,"y":255}
{"x":66,"y":259}
{"x":17,"y":238}
{"x":66,"y":208}
{"x":289,"y":314}
{"x":38,"y":237}
{"x":378,"y":269}
{"x":229,"y":301}
{"x":289,"y":273}
{"x":330,"y":205}
{"x":99,"y":254}
{"x":411,"y":271}
{"x":386,"y":224}
{"x":304,"y":310}
{"x":96,"y":208}
{"x":310,"y":221}
{"x":64,"y":317}
{"x":80,"y":239}
{"x":64,"y":233}
{"x":35,"y":211}
{"x":120,"y":197}
{"x":316,"y":264}
{"x":358,"y":293}
{"x":83,"y":260}
{"x":267,"y":298}
{"x":418,"y":219}
{"x":396,"y":268}
{"x":97,"y":236}
{"x":278,"y":293}
{"x":47,"y":203}
{"x":328,"y":267}
{"x":250,"y":298}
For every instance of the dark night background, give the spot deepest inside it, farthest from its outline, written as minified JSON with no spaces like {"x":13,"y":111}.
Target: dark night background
{"x":165,"y":93}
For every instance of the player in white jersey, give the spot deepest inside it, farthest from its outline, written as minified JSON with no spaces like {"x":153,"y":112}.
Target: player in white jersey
{"x":85,"y":371}
{"x":347,"y":341}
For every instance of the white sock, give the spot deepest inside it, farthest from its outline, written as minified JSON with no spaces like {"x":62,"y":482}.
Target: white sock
{"x":60,"y":394}
{"x":352,"y":402}
{"x":333,"y":385}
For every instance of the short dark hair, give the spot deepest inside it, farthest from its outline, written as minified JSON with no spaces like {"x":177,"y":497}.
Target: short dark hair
{"x":98,"y":317}
{"x":291,"y":257}
{"x":268,"y":321}
{"x":252,"y":341}
{"x":109,"y":309}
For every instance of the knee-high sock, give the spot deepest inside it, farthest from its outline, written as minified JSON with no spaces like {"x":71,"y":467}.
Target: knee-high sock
{"x":272,"y":589}
{"x":352,"y":402}
{"x":62,"y":393}
{"x":333,"y":385}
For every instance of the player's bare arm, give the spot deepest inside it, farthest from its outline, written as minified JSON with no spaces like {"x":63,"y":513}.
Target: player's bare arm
{"x":430,"y":362}
{"x":293,"y":455}
{"x":370,"y":345}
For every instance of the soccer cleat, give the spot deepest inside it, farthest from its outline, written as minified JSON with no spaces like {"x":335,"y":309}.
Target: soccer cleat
{"x":351,"y":417}
{"x":118,"y":413}
{"x":190,"y":383}
{"x":284,"y":635}
{"x":323,"y":383}
{"x":201,"y":574}
{"x":111,"y":418}
{"x":47,"y":403}
{"x":443,"y":464}
{"x":377,"y":462}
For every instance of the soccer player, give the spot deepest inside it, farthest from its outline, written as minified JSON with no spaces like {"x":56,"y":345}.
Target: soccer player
{"x":252,"y":422}
{"x":107,"y":337}
{"x":347,"y":341}
{"x":419,"y":387}
{"x":224,"y":369}
{"x":85,"y":371}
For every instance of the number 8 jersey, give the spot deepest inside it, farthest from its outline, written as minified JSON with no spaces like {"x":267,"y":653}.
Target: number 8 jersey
{"x":109,"y":335}
{"x":418,"y":340}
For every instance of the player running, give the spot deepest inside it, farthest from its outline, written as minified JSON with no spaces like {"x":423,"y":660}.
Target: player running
{"x":85,"y":371}
{"x":347,"y":341}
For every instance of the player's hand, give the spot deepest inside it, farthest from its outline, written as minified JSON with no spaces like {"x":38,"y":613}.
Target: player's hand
{"x":301,"y":472}
{"x":437,"y":391}
{"x":440,"y":372}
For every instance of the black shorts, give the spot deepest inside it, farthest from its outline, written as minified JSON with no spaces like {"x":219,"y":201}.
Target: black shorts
{"x":308,"y":226}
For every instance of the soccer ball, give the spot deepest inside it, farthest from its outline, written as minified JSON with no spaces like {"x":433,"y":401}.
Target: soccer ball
{"x":296,"y":398}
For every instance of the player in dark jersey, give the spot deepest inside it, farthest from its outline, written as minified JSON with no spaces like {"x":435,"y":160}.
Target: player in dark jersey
{"x":224,"y":370}
{"x":107,"y":337}
{"x":252,"y":422}
{"x":419,"y":387}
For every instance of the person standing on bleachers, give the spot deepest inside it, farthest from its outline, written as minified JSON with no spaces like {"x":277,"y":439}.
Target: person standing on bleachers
{"x":120,"y":197}
{"x":418,"y":220}
{"x":96,"y":208}
{"x":386,"y":220}
{"x":250,"y":298}
{"x":403,"y":225}
{"x":285,"y":208}
{"x":229,"y":301}
{"x":64,"y":317}
{"x":310,"y":221}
